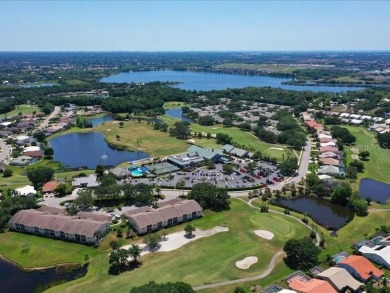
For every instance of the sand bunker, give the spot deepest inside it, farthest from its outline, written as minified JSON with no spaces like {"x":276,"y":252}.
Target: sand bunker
{"x":264,"y":234}
{"x":355,"y":157}
{"x":246,"y":262}
{"x":277,"y":149}
{"x":176,"y":240}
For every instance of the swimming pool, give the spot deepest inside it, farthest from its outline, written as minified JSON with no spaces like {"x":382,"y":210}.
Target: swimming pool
{"x":138,"y":171}
{"x":377,"y":240}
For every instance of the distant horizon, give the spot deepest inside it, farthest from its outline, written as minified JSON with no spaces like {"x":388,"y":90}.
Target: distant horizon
{"x":199,"y":51}
{"x":194,"y":26}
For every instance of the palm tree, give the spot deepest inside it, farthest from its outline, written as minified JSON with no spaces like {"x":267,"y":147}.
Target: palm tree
{"x":189,"y":229}
{"x":135,"y":252}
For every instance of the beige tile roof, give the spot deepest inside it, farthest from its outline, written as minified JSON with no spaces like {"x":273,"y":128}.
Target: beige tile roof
{"x":165,"y":213}
{"x":340,"y":278}
{"x":66,"y":224}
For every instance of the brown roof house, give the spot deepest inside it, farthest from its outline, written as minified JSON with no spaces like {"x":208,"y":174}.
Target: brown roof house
{"x":147,"y":221}
{"x":86,"y":231}
{"x":49,"y":187}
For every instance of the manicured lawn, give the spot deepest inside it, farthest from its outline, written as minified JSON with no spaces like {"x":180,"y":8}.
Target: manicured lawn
{"x":24,"y":109}
{"x":378,"y":166}
{"x":169,"y":105}
{"x":152,"y":141}
{"x":206,"y":260}
{"x":42,"y":251}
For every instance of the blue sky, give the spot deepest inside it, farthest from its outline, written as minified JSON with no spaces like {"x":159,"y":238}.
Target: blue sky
{"x":194,"y":25}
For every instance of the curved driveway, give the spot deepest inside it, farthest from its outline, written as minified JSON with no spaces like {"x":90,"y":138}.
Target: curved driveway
{"x":5,"y":151}
{"x":45,"y":123}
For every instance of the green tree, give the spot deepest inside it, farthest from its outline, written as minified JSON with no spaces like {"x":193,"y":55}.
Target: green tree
{"x":152,"y":287}
{"x":63,"y":189}
{"x":301,"y":253}
{"x":289,"y":166}
{"x":360,"y":207}
{"x":210,"y":197}
{"x":118,"y":257}
{"x":223,"y":138}
{"x":84,"y":199}
{"x":39,"y":136}
{"x":135,"y":252}
{"x":152,"y":241}
{"x":99,"y":171}
{"x":40,"y":175}
{"x":363,"y":155}
{"x":341,"y":194}
{"x":189,"y":229}
{"x":358,"y":165}
{"x":207,"y":120}
{"x":49,"y":152}
{"x":115,"y":244}
{"x":228,"y":122}
{"x":228,"y":168}
{"x":7,"y":172}
{"x":238,"y":290}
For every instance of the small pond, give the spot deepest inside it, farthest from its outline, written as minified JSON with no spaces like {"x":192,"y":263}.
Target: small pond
{"x":89,"y":150}
{"x":323,"y":212}
{"x":376,"y":190}
{"x":96,"y":121}
{"x":14,"y":280}
{"x":177,"y":113}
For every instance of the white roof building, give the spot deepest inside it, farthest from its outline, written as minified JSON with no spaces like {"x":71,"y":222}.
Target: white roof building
{"x":356,"y":121}
{"x":27,"y":190}
{"x":32,"y":149}
{"x":354,"y":116}
{"x":344,"y":115}
{"x":365,"y":117}
{"x":379,"y":254}
{"x":330,"y":143}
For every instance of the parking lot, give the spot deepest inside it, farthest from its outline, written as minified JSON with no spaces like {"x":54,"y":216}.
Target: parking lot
{"x":264,"y":174}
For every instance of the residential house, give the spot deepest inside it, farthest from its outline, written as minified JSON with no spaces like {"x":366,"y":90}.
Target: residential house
{"x":87,"y":231}
{"x":88,"y":181}
{"x":329,"y":155}
{"x":49,"y":187}
{"x":361,"y":268}
{"x":330,"y":161}
{"x":168,"y":215}
{"x":21,"y":161}
{"x":340,"y":279}
{"x":328,"y":149}
{"x":329,"y":170}
{"x":27,"y":191}
{"x":311,"y":286}
{"x":379,"y":254}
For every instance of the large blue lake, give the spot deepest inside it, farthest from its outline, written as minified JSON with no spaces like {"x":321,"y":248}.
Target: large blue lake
{"x":89,"y":150}
{"x":207,"y":81}
{"x":376,"y":190}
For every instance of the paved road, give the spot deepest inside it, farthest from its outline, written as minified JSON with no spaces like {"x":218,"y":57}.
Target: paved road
{"x":45,"y":123}
{"x":254,"y":278}
{"x":5,"y":151}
